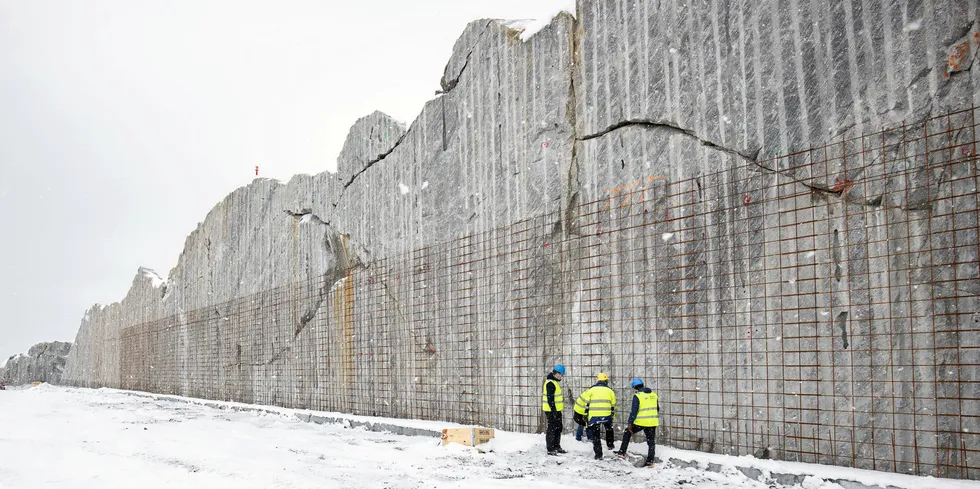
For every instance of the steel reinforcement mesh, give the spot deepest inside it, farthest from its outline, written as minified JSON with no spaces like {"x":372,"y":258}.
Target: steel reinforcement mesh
{"x":820,"y":307}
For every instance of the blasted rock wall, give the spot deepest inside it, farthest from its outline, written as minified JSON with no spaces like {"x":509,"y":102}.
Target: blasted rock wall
{"x":828,"y":279}
{"x":301,"y":238}
{"x":501,"y":132}
{"x":773,"y":77}
{"x":627,"y":192}
{"x":44,"y":362}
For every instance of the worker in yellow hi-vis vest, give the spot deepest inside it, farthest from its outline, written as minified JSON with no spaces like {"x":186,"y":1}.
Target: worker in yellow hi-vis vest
{"x":552,"y":403}
{"x":645,"y":416}
{"x":599,"y":404}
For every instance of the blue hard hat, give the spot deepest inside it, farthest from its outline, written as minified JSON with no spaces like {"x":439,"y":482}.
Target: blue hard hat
{"x":636,"y":381}
{"x":560,"y":369}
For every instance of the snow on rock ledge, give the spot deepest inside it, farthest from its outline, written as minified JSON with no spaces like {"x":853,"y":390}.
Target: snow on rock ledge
{"x":531,"y":27}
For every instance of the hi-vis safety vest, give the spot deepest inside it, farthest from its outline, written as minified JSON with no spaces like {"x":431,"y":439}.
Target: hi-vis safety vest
{"x":600,"y":401}
{"x":647,"y":416}
{"x":559,"y":400}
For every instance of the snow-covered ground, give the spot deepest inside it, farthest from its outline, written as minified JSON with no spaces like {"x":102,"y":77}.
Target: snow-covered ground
{"x":81,"y":438}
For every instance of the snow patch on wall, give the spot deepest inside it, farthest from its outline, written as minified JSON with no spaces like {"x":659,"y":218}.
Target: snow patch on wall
{"x":530,"y":27}
{"x":155,"y":280}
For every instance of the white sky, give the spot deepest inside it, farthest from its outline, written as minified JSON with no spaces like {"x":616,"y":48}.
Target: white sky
{"x":123,"y":122}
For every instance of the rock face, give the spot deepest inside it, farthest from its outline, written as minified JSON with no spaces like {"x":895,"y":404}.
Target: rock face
{"x":699,"y":194}
{"x":44,"y":362}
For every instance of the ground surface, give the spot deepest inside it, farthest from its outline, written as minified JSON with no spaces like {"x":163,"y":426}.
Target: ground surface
{"x":80,"y":438}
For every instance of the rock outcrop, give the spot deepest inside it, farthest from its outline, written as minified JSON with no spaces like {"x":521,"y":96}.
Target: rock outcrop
{"x":694,"y":193}
{"x":44,"y":362}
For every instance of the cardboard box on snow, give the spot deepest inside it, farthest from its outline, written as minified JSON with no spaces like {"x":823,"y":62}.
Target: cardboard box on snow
{"x":471,"y":437}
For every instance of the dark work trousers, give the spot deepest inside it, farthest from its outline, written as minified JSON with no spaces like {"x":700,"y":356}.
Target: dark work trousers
{"x":650,"y":433}
{"x":580,"y":421}
{"x":552,"y":437}
{"x":593,"y":434}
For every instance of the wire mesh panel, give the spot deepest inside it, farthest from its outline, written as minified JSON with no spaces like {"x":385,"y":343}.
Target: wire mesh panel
{"x":820,"y":306}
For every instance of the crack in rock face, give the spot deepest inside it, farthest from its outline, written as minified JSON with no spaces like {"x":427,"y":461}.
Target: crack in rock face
{"x":671,"y":127}
{"x":374,"y":161}
{"x":752,"y":158}
{"x":449,"y":83}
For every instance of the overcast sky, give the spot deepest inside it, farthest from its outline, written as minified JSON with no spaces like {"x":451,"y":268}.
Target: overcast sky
{"x":122,"y":123}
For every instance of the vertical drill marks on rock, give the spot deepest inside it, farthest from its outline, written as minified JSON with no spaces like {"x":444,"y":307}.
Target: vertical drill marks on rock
{"x":649,"y":294}
{"x":768,"y":211}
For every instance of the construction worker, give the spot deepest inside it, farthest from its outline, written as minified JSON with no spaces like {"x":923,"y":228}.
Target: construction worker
{"x":645,"y":416}
{"x":598,"y":403}
{"x":552,"y":403}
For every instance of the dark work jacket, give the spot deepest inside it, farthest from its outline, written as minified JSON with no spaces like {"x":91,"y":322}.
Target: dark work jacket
{"x":636,"y":405}
{"x":550,"y":390}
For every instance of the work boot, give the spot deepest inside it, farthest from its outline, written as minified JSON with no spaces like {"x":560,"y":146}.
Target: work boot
{"x":561,"y":450}
{"x":553,"y":452}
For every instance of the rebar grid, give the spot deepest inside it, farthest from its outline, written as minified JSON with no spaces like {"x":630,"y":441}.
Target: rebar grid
{"x":820,"y":306}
